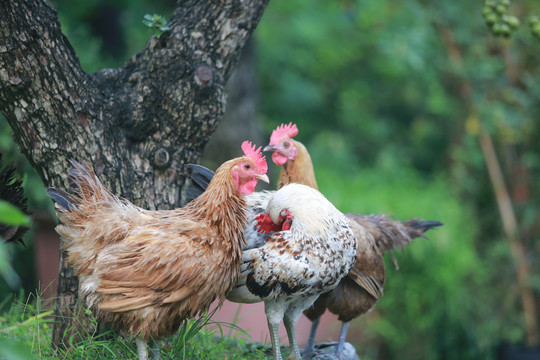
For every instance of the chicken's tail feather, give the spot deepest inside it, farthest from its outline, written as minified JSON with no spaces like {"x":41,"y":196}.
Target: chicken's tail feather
{"x":200,"y":178}
{"x":86,"y":192}
{"x":61,"y":198}
{"x":421,"y":226}
{"x":85,"y":183}
{"x":90,"y":216}
{"x":390,"y":234}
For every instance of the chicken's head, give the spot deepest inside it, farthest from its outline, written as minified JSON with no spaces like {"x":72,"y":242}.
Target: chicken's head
{"x":250,"y":169}
{"x":282,"y":145}
{"x":285,"y":219}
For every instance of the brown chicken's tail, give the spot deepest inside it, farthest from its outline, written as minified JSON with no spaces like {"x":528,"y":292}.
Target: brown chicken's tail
{"x":86,"y":196}
{"x":85,"y":185}
{"x":90,"y":216}
{"x":390,"y":234}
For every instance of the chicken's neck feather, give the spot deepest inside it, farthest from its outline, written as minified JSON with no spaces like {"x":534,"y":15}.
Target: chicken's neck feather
{"x":223,"y":205}
{"x":299,"y":170}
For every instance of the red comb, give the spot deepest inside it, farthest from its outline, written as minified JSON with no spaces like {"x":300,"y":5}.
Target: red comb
{"x":265,"y":224}
{"x":283,"y":131}
{"x":255,"y":154}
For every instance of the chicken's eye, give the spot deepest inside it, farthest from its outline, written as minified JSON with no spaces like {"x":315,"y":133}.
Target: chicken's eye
{"x":247,"y":166}
{"x":286,"y":145}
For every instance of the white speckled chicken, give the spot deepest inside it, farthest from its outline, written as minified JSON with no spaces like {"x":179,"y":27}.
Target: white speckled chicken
{"x":311,"y":250}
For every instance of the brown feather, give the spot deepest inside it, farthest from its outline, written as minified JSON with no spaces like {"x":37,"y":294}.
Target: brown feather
{"x":125,"y":304}
{"x":371,"y":285}
{"x":112,"y":290}
{"x":177,"y":295}
{"x":299,"y":170}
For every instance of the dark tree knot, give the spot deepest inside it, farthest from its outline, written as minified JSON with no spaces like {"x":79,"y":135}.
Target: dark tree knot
{"x":203,"y":75}
{"x":161,"y":157}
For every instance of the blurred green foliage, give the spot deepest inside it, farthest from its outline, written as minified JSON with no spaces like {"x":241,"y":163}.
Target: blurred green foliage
{"x":390,"y":98}
{"x":442,"y":302}
{"x":10,"y":215}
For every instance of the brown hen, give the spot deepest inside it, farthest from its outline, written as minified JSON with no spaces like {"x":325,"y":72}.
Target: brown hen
{"x":144,"y":272}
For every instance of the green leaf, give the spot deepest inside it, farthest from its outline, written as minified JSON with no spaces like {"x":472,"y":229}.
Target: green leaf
{"x":14,"y":351}
{"x":11,"y":215}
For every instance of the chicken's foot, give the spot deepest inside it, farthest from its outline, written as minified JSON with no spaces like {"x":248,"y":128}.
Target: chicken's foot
{"x":276,"y":351}
{"x":342,"y":336}
{"x":154,"y":350}
{"x":289,"y":323}
{"x":311,"y":339}
{"x":141,"y":349}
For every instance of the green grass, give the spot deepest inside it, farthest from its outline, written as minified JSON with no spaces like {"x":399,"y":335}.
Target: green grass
{"x":26,"y":328}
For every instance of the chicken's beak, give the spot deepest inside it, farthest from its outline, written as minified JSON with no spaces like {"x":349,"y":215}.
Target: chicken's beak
{"x":269,"y":148}
{"x":263,"y":177}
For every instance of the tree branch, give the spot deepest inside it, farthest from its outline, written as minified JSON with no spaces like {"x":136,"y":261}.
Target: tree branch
{"x":137,"y":124}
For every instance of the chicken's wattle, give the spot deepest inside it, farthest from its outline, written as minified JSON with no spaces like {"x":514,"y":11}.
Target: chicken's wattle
{"x":278,"y":158}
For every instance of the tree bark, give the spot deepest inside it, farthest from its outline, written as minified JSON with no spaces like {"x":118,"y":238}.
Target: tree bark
{"x":137,"y":125}
{"x":240,"y":120}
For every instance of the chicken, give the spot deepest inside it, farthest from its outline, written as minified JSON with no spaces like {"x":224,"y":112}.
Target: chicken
{"x":144,"y":272}
{"x":376,"y":234}
{"x":11,"y":191}
{"x":363,"y":286}
{"x":292,"y":156}
{"x":311,"y":248}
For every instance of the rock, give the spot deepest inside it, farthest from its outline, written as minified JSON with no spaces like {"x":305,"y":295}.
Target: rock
{"x":326,"y":351}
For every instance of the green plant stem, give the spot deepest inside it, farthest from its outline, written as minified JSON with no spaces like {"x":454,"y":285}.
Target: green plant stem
{"x":504,"y":202}
{"x":510,"y":226}
{"x":27,"y":321}
{"x":235,"y":318}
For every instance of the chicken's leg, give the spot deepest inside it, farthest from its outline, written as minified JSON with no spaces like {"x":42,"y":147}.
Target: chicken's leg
{"x":274,"y":311}
{"x":276,"y":351}
{"x":342,"y":336}
{"x":290,"y":318}
{"x":141,"y":349}
{"x":154,"y":350}
{"x":293,"y":344}
{"x":311,"y":339}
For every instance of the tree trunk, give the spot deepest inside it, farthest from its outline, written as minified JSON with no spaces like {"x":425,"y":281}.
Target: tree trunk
{"x":240,"y":120}
{"x":137,"y":125}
